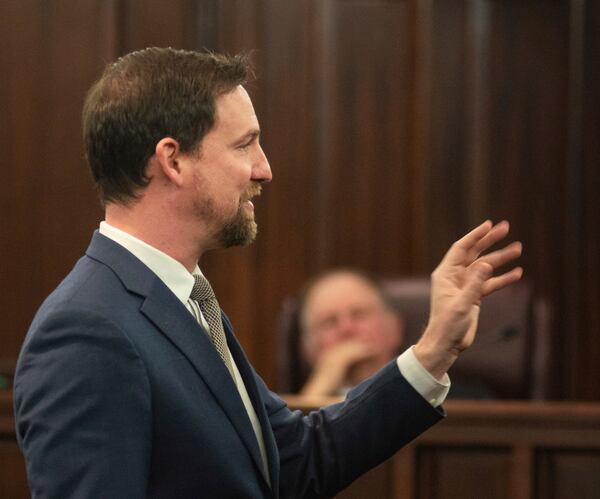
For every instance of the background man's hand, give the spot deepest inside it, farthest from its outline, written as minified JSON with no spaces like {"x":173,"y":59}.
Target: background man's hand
{"x":457,"y":286}
{"x":332,"y":370}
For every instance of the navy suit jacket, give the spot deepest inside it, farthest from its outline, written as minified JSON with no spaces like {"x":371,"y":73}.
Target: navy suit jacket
{"x":120,"y":394}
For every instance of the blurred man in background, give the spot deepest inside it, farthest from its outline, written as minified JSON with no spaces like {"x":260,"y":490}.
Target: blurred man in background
{"x":349,"y":330}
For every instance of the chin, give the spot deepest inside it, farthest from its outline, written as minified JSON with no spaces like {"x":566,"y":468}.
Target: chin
{"x":239,"y":232}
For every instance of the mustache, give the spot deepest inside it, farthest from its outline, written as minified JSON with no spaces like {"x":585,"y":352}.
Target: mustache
{"x":254,"y":190}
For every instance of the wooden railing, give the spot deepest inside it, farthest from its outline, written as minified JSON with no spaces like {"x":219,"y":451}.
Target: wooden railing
{"x":491,"y":450}
{"x":495,"y":449}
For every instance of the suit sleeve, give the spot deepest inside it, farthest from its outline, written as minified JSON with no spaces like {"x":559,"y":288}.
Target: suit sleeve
{"x":323,"y":452}
{"x":82,"y":406}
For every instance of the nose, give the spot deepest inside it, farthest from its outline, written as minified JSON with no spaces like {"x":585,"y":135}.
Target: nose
{"x":346,"y":326}
{"x":261,"y":170}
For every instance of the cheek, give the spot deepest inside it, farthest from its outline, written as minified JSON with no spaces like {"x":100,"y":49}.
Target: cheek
{"x":229,"y":199}
{"x":373,"y":332}
{"x":230,"y":181}
{"x":326,"y":339}
{"x":240,"y":173}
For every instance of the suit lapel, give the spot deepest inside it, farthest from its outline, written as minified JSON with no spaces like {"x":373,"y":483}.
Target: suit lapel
{"x":248,"y":376}
{"x":189,"y":337}
{"x":172,"y":318}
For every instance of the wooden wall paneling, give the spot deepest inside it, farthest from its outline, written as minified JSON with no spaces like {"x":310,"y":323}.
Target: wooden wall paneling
{"x":240,"y":26}
{"x":233,"y":272}
{"x":580,"y":349}
{"x":288,"y":86}
{"x":194,"y":24}
{"x":568,"y":473}
{"x":375,"y":484}
{"x":441,"y":473}
{"x":148,"y":23}
{"x":54,"y":52}
{"x":477,"y":87}
{"x":521,"y":473}
{"x":205,"y":32}
{"x":420,"y":117}
{"x":335,"y":118}
{"x":450,"y":124}
{"x":324,"y":181}
{"x":366,"y":109}
{"x":513,"y":450}
{"x":527,"y":137}
{"x":444,"y":170}
{"x":476,"y":91}
{"x":572,"y":265}
{"x":404,"y":466}
{"x":591,"y":213}
{"x":13,"y":477}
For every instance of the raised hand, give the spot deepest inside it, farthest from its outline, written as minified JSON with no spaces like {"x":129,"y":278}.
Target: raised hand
{"x":457,"y":285}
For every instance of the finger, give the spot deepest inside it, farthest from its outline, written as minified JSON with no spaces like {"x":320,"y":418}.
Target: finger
{"x":472,"y":291}
{"x":469,"y":240}
{"x":495,"y":234}
{"x":456,"y":254}
{"x":502,"y":256}
{"x":501,"y":281}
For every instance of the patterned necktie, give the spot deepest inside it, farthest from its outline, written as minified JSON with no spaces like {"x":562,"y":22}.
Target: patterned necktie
{"x":203,"y":293}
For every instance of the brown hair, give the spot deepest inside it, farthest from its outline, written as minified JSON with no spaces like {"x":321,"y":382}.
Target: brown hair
{"x":145,"y":96}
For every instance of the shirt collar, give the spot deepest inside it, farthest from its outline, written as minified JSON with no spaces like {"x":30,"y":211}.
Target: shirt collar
{"x":172,"y":273}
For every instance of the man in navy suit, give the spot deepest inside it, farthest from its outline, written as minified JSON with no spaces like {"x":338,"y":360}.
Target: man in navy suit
{"x":128,"y":386}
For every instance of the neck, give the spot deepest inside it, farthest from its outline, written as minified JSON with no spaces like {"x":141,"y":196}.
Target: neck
{"x":159,"y":229}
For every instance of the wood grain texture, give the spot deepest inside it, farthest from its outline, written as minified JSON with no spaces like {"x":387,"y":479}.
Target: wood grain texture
{"x":52,"y":53}
{"x":505,"y":450}
{"x":392,"y":127}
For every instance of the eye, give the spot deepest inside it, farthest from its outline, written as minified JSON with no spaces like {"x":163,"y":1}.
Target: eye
{"x":361,"y":313}
{"x":251,"y":139}
{"x":326,"y":323}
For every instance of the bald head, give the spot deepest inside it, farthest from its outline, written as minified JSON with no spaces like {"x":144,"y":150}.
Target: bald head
{"x":343,"y":306}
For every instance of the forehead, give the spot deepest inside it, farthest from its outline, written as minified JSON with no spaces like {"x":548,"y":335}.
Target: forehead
{"x":340,"y":291}
{"x":234,"y":110}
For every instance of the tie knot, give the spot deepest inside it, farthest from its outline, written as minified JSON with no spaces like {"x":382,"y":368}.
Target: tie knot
{"x":202,"y":290}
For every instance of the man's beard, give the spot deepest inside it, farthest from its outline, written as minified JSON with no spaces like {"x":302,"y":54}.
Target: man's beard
{"x":240,"y":230}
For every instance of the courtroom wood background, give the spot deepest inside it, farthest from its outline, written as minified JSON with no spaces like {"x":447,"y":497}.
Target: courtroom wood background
{"x":392,"y":127}
{"x":491,"y":449}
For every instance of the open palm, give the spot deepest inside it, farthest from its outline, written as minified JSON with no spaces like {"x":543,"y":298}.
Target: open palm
{"x":458,"y":284}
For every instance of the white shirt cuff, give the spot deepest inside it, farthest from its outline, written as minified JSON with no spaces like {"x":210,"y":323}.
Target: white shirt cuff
{"x":432,"y":390}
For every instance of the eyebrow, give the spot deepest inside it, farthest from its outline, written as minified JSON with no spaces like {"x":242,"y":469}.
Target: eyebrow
{"x":251,"y":135}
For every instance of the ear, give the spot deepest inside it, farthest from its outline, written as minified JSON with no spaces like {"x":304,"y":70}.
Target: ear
{"x":168,"y":154}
